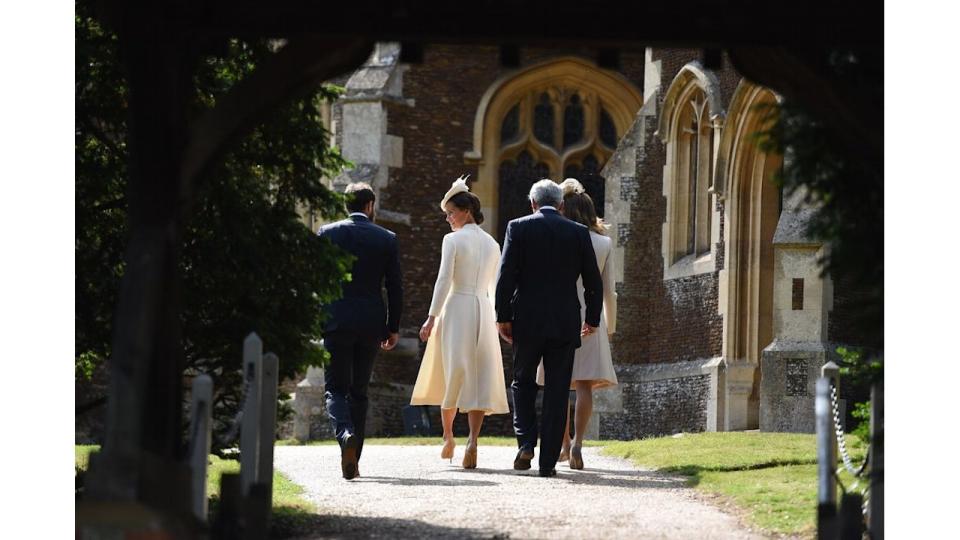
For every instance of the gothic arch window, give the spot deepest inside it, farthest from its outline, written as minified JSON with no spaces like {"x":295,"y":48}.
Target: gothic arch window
{"x":689,"y":126}
{"x":552,"y":132}
{"x":694,"y":144}
{"x":557,"y":119}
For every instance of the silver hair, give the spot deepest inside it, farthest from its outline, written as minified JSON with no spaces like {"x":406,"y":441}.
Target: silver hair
{"x":546,"y":192}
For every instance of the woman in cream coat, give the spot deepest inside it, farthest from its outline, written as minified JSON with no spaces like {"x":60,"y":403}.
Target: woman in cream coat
{"x":593,"y":363}
{"x":462,"y":367}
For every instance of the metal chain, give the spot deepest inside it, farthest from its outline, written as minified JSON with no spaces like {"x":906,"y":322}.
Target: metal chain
{"x":841,"y":442}
{"x":847,"y":462}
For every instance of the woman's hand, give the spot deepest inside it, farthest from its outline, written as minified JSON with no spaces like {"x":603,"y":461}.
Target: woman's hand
{"x":427,"y":328}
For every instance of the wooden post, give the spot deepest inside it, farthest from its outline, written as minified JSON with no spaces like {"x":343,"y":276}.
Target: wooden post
{"x":227,"y":524}
{"x":255,"y":514}
{"x":201,"y":405}
{"x":826,"y":463}
{"x":268,"y":424}
{"x":250,"y":428}
{"x":144,"y":409}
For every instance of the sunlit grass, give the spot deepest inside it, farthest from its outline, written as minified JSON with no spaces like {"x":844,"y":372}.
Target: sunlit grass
{"x":772,"y":476}
{"x":291,"y":515}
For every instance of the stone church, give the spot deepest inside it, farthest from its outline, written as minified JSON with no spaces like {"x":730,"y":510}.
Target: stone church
{"x":724,"y":317}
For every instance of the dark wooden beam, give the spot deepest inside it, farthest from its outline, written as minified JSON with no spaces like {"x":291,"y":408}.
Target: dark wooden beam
{"x":303,"y":63}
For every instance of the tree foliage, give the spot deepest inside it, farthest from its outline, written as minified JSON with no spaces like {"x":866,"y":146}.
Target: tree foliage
{"x":248,"y":263}
{"x":845,"y":183}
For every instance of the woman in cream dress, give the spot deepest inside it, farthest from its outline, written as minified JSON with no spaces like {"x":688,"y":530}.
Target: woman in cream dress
{"x":593,"y":363}
{"x":462,"y":367}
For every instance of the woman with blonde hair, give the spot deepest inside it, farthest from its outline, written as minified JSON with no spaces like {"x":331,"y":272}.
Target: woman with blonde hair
{"x":462,"y":367}
{"x":593,"y":363}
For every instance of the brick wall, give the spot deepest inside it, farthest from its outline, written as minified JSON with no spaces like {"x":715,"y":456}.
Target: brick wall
{"x":657,"y":407}
{"x":672,"y":320}
{"x":660,"y":321}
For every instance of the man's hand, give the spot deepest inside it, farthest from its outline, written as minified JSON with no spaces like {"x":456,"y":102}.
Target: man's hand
{"x":586,"y":330}
{"x":506,"y":331}
{"x":390,"y":342}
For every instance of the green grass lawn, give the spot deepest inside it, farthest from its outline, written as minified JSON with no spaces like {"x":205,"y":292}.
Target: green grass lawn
{"x":772,"y":477}
{"x":292,"y":514}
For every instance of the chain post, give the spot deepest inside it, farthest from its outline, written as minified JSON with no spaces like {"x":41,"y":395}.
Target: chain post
{"x":831,"y":371}
{"x":826,"y":463}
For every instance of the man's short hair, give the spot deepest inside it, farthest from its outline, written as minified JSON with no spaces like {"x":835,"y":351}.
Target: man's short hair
{"x":358,"y":195}
{"x":546,"y":192}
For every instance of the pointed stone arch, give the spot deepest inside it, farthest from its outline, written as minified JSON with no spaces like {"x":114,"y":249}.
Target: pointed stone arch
{"x":602,"y":92}
{"x":692,"y":74}
{"x":690,"y":122}
{"x":752,"y":207}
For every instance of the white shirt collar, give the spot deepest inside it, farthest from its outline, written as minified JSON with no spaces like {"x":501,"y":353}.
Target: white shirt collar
{"x":359,"y":214}
{"x":550,"y":207}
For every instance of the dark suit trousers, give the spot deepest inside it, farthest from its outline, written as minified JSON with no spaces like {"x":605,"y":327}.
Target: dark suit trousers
{"x":346,"y":378}
{"x":558,"y":369}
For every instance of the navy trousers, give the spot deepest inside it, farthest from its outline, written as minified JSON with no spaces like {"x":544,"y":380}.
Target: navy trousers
{"x":558,"y":369}
{"x":346,"y":377}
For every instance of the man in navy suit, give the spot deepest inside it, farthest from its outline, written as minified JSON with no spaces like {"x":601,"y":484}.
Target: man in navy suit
{"x":358,"y":322}
{"x":538,"y":311}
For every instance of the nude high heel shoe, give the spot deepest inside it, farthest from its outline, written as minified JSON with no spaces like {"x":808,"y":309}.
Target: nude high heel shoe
{"x":470,"y":455}
{"x":447,"y":451}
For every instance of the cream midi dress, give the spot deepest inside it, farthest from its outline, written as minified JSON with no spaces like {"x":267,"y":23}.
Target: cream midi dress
{"x":593,"y":361}
{"x":462,"y":366}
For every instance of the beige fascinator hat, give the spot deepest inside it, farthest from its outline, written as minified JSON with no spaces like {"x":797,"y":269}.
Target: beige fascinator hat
{"x":459,"y":186}
{"x":571,"y":185}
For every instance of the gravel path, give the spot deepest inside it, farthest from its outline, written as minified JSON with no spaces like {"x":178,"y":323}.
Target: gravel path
{"x":409,"y":492}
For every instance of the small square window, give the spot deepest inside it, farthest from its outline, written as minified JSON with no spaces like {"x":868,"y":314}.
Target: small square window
{"x":797,"y":294}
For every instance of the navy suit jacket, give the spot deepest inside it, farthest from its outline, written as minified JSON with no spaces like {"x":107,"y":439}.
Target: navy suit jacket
{"x":377,"y":265}
{"x":543,"y":255}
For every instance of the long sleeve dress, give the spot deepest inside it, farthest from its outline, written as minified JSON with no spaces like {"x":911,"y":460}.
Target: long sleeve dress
{"x":462,"y":366}
{"x":593,"y":361}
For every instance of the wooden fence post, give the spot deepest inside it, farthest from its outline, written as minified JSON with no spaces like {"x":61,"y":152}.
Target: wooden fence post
{"x":201,"y":397}
{"x":250,"y":428}
{"x":268,"y":423}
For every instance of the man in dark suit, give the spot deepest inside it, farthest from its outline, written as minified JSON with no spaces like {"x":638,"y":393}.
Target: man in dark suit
{"x":358,"y":322}
{"x":538,"y":311}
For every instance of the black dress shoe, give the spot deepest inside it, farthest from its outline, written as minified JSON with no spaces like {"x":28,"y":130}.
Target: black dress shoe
{"x":348,"y":456}
{"x":546,"y":473}
{"x":522,"y":461}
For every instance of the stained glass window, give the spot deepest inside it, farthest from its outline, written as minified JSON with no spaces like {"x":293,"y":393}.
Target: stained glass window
{"x":572,"y":122}
{"x":516,"y":177}
{"x":543,"y":120}
{"x":690,"y":194}
{"x":574,"y":145}
{"x":693,"y":159}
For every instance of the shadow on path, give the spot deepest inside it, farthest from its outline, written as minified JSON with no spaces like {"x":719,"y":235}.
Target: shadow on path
{"x":594,"y":477}
{"x":336,"y":526}
{"x":421,"y":481}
